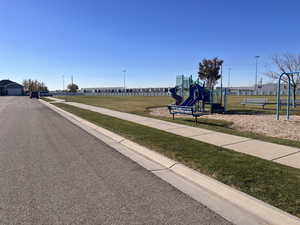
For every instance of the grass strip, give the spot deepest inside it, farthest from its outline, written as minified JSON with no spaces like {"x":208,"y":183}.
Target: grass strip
{"x":142,"y":105}
{"x":47,"y":99}
{"x":273,"y":183}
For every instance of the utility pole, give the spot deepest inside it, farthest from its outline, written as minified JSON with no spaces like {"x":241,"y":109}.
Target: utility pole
{"x":124,"y":79}
{"x":221,"y":84}
{"x":256,"y":62}
{"x":229,"y":71}
{"x":63,"y":82}
{"x":72,"y":80}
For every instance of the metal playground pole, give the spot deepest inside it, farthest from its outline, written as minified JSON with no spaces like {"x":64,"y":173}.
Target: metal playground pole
{"x":278,"y":103}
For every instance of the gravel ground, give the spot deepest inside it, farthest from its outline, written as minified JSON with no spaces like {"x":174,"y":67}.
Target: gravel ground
{"x":261,"y":124}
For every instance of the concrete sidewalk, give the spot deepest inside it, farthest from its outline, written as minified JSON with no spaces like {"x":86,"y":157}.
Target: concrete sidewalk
{"x":282,"y":154}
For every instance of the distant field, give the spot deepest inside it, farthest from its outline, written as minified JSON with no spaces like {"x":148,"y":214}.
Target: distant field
{"x":140,"y":104}
{"x":131,"y":104}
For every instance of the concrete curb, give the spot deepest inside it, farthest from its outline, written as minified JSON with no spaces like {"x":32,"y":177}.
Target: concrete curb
{"x":233,"y":205}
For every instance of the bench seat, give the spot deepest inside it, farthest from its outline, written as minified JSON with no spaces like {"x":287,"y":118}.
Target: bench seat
{"x":283,"y":102}
{"x":255,"y":101}
{"x":184,"y":110}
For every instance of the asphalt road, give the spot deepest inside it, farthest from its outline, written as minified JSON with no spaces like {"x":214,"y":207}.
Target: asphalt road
{"x":52,"y":172}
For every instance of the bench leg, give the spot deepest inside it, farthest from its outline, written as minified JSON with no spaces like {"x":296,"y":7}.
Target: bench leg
{"x":196,"y":120}
{"x":173,"y":116}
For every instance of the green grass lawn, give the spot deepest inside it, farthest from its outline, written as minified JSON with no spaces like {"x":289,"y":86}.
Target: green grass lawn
{"x":46,"y":99}
{"x":268,"y":181}
{"x":141,"y":105}
{"x":234,"y":106}
{"x":131,"y":104}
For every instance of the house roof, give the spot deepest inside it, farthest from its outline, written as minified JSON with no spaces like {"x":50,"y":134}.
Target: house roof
{"x":14,"y":85}
{"x":5,"y":82}
{"x":9,"y":83}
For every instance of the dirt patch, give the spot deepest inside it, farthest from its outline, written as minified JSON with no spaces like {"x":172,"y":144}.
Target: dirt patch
{"x":260,"y":124}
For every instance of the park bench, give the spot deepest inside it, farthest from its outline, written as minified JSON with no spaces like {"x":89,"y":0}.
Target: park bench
{"x":283,"y":102}
{"x":184,"y":110}
{"x":255,"y":101}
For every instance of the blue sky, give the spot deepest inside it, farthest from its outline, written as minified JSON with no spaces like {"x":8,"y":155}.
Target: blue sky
{"x":154,"y":40}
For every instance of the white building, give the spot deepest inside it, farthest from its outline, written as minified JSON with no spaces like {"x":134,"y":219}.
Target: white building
{"x":122,"y":90}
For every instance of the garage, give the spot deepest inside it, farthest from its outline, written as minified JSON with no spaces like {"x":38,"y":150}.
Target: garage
{"x":10,"y":88}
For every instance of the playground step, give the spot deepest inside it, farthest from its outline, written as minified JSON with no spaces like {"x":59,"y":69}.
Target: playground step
{"x":279,"y":153}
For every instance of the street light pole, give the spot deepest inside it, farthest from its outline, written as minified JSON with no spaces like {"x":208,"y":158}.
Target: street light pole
{"x":229,"y":71}
{"x":63,"y":82}
{"x":256,"y":62}
{"x":221,"y":84}
{"x":124,"y":77}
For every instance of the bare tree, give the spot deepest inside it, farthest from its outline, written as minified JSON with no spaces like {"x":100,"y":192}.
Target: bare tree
{"x":287,"y":63}
{"x":34,"y":85}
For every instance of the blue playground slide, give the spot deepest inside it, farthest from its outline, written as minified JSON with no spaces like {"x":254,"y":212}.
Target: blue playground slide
{"x":177,"y":97}
{"x":193,"y":99}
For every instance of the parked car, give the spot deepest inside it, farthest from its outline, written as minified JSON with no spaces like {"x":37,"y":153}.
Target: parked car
{"x":34,"y":94}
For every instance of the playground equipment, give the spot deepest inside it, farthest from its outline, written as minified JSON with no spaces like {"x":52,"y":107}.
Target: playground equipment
{"x":288,"y":103}
{"x":197,"y":97}
{"x":177,"y":97}
{"x":196,"y":94}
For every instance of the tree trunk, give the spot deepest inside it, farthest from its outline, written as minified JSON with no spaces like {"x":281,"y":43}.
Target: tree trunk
{"x":294,"y":95}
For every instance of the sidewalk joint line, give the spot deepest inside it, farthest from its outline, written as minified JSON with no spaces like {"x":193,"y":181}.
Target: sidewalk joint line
{"x":167,"y":168}
{"x":121,"y":140}
{"x":157,"y":170}
{"x":238,"y":142}
{"x":201,"y":134}
{"x":280,"y":157}
{"x":172,"y":165}
{"x":174,"y":128}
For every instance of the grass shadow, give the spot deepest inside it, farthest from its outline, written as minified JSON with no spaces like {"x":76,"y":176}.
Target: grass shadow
{"x":250,"y":111}
{"x":209,"y":122}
